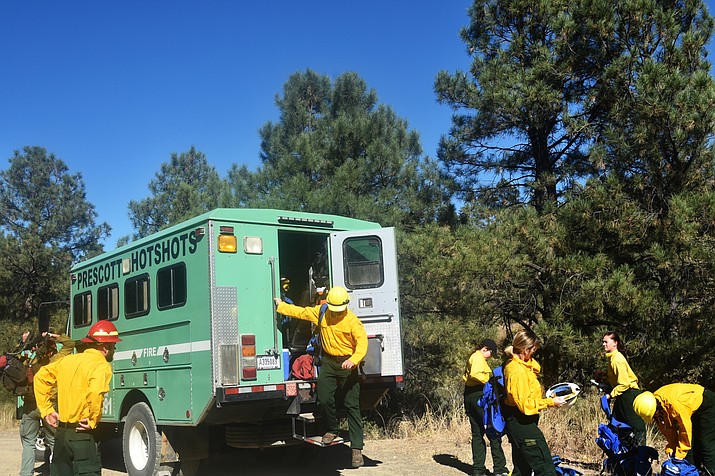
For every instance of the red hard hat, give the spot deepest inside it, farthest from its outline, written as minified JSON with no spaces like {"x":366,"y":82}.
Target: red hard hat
{"x":102,"y":331}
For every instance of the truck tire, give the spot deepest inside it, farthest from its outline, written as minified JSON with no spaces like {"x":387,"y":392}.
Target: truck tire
{"x":141,"y":442}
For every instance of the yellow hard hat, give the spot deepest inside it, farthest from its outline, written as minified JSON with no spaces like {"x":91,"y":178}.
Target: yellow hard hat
{"x":338,"y":299}
{"x":645,"y":406}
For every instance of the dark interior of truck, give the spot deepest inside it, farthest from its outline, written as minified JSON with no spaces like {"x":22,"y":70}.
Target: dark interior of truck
{"x":305,"y":278}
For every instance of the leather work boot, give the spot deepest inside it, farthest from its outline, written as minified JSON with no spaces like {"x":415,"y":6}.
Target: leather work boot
{"x":328,"y":438}
{"x":357,"y":460}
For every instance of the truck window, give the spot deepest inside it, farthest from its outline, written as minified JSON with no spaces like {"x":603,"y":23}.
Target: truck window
{"x":136,"y":296}
{"x":82,"y":309}
{"x":171,"y":286}
{"x":108,"y":302}
{"x":363,"y":262}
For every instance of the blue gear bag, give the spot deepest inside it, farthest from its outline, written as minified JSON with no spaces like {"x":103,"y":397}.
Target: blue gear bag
{"x":494,"y":422}
{"x":315,"y":345}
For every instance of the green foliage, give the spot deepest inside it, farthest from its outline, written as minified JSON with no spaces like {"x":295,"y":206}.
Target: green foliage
{"x":436,"y":351}
{"x":47,"y":225}
{"x":523,"y":112}
{"x":185,"y":187}
{"x":555,"y":92}
{"x":657,"y":135}
{"x":335,"y":150}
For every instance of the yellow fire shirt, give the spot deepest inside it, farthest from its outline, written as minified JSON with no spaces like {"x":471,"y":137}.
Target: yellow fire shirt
{"x":477,"y":371}
{"x":82,"y":381}
{"x":620,"y":375}
{"x":523,"y":389}
{"x":341,"y":336}
{"x":679,"y":400}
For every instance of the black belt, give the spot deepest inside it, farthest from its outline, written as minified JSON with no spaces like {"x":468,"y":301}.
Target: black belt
{"x":337,"y":358}
{"x":64,"y":424}
{"x":468,"y":389}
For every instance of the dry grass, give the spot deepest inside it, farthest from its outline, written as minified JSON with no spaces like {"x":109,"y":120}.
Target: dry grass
{"x":430,"y":425}
{"x":570,"y":431}
{"x":7,"y":416}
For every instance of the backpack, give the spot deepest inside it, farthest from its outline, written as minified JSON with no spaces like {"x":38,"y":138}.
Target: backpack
{"x":302,"y":367}
{"x":609,"y":441}
{"x":14,"y":374}
{"x":635,"y":462}
{"x":614,"y":436}
{"x":682,"y":468}
{"x":622,"y":459}
{"x":315,"y":345}
{"x":494,"y":422}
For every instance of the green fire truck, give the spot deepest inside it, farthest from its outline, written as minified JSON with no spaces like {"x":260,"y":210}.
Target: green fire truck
{"x":204,"y":357}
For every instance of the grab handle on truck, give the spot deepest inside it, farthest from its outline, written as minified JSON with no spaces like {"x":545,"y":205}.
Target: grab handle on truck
{"x":272,"y":264}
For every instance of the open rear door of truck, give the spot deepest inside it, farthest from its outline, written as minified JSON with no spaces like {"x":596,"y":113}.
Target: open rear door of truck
{"x":365,"y":263}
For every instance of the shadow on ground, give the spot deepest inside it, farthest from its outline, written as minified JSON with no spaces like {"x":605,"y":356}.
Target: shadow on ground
{"x":296,"y":460}
{"x":453,"y":462}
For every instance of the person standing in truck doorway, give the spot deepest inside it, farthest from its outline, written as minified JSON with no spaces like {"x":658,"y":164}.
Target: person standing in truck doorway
{"x":344,"y":345}
{"x":82,"y":380}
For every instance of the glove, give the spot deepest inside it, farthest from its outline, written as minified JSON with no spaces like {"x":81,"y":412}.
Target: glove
{"x":670,"y":467}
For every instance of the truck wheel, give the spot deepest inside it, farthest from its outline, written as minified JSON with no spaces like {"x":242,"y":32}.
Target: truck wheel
{"x":141,"y":441}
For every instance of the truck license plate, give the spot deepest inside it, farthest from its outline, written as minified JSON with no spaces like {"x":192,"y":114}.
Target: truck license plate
{"x":267,"y":362}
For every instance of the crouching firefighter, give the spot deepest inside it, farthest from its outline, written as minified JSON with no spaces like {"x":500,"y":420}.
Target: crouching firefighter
{"x":344,"y":345}
{"x":685,"y":414}
{"x":82,"y":380}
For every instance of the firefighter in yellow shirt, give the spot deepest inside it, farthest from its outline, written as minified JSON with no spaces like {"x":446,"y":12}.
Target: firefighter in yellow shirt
{"x":344,"y":345}
{"x":476,"y":374}
{"x":685,"y":414}
{"x":30,"y":423}
{"x":624,"y":387}
{"x":523,"y":403}
{"x":81,"y":380}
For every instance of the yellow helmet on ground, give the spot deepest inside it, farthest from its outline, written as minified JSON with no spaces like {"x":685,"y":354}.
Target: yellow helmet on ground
{"x":338,"y":299}
{"x":645,"y":406}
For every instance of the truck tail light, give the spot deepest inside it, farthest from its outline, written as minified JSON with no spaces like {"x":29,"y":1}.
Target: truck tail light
{"x":227,"y":242}
{"x":248,"y":356}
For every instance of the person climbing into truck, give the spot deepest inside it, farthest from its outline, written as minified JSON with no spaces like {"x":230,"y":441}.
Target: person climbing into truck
{"x":685,"y":414}
{"x":476,"y":375}
{"x":344,"y":345}
{"x":285,"y":321}
{"x":285,"y":290}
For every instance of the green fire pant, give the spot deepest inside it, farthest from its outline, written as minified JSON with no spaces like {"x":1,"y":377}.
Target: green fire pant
{"x":529,"y":449}
{"x":336,"y":386}
{"x":623,"y":412}
{"x":29,"y":429}
{"x":75,"y":454}
{"x":703,"y":453}
{"x":479,"y":448}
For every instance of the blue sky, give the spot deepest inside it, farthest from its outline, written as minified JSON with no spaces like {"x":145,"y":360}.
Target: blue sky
{"x":113,"y":88}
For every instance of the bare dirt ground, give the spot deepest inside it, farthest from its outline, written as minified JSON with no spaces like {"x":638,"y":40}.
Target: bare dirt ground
{"x":406,"y":457}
